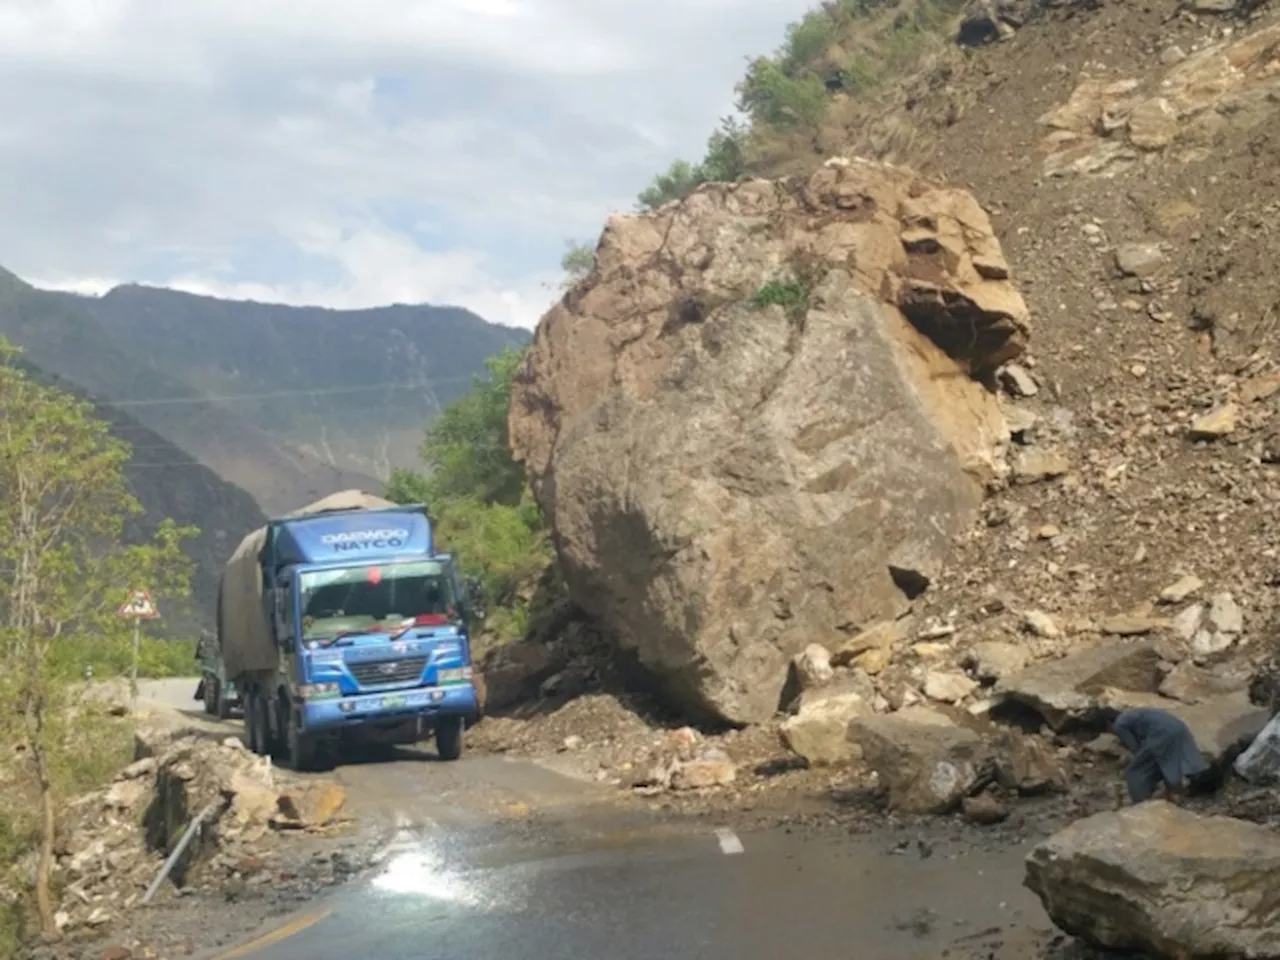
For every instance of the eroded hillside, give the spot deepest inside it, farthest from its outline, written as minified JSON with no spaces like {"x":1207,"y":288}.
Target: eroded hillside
{"x":1127,"y":156}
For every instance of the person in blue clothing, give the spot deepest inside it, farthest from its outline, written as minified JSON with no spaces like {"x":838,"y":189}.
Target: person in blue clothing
{"x":1164,"y":755}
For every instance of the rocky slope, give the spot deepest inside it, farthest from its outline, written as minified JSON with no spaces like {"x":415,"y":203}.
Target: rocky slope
{"x":377,"y":375}
{"x":1128,"y":159}
{"x":758,"y":422}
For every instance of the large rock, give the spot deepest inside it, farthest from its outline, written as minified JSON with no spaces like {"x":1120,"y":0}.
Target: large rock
{"x":1222,"y":724}
{"x":1160,"y":880}
{"x":759,"y":422}
{"x":927,"y":762}
{"x":817,"y":732}
{"x":1066,"y":691}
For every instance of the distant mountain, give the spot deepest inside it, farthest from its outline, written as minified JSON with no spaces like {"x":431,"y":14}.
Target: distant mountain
{"x":189,"y":493}
{"x":61,"y":336}
{"x":351,"y":388}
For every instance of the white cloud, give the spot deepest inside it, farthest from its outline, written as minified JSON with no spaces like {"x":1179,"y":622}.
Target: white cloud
{"x":318,"y":151}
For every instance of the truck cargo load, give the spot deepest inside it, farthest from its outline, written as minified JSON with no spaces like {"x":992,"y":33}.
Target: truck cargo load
{"x":244,"y":635}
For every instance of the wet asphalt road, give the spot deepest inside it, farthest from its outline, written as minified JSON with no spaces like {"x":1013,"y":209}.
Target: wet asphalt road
{"x":491,"y":857}
{"x":642,"y":895}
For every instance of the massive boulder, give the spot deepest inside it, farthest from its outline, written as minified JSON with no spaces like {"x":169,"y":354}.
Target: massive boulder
{"x":1162,"y":881}
{"x":761,"y":419}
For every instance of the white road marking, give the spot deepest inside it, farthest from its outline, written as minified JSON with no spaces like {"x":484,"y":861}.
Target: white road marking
{"x":408,"y":836}
{"x":729,"y":842}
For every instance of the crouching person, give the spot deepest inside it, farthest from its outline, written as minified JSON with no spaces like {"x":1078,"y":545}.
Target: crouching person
{"x":1164,"y":756}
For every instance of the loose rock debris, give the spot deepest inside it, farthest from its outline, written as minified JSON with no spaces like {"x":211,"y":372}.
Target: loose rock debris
{"x":116,"y":839}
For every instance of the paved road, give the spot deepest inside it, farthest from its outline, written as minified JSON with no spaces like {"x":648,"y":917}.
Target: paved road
{"x":500,"y":858}
{"x":641,"y":894}
{"x":411,"y":785}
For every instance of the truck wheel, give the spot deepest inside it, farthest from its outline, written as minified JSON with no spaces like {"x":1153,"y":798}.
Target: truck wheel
{"x":300,"y":749}
{"x":211,"y":695}
{"x":222,"y":709}
{"x":255,"y":723}
{"x":250,"y":735}
{"x":449,"y":738}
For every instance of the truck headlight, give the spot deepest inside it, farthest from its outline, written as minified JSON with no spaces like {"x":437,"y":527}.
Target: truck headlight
{"x":318,"y":691}
{"x":453,"y":675}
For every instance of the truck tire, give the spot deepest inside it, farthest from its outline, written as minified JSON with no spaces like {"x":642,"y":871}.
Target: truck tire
{"x":299,"y":749}
{"x":223,"y":708}
{"x":257,"y":730}
{"x":449,"y":738}
{"x":209,"y":693}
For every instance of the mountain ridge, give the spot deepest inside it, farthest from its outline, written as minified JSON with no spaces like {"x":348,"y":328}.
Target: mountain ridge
{"x":350,"y":388}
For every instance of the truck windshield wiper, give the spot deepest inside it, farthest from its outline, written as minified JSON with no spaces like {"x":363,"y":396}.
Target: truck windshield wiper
{"x":344,"y":635}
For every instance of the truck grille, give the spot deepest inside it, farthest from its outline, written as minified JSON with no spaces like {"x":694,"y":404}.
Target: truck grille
{"x":387,"y":671}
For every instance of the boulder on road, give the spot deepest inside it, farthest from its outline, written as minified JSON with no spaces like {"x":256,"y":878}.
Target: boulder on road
{"x":1027,"y":765}
{"x":1066,"y":691}
{"x":761,"y":420}
{"x":1158,"y":879}
{"x":927,"y":762}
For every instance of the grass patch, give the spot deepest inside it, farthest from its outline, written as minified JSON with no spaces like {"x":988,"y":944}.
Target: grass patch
{"x":791,"y":295}
{"x":113,"y":656}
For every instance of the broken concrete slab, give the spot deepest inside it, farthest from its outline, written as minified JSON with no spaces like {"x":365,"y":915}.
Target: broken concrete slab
{"x":1160,"y":880}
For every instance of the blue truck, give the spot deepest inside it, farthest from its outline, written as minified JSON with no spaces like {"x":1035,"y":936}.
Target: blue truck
{"x":341,"y":622}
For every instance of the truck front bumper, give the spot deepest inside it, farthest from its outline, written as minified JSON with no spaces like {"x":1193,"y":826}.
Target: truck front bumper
{"x":393,"y":707}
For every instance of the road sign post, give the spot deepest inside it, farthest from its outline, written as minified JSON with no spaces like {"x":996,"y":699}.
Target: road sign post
{"x":137,"y":608}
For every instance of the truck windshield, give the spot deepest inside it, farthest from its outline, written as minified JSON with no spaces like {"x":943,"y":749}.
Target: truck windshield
{"x":380,"y":597}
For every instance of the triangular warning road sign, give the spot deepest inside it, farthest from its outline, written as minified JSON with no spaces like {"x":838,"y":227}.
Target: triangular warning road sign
{"x":139,"y":606}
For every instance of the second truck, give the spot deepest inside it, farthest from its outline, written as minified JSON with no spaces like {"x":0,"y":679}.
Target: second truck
{"x":341,"y":622}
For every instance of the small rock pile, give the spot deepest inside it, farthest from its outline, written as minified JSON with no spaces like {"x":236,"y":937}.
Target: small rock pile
{"x":682,"y":760}
{"x":115,"y":840}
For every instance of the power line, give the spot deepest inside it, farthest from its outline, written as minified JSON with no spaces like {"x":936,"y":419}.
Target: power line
{"x":321,"y":392}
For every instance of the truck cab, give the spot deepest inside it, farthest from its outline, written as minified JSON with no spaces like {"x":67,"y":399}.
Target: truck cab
{"x":372,"y":629}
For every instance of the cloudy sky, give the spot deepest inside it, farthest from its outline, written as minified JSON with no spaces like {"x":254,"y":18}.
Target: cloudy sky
{"x":349,"y":154}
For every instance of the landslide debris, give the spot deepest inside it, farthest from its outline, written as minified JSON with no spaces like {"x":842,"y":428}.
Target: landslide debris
{"x":115,"y":840}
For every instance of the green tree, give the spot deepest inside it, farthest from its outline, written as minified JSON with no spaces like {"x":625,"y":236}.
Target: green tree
{"x":465,"y":447}
{"x":725,"y":161}
{"x":771,"y":97}
{"x":726,"y":158}
{"x":679,"y":180}
{"x":579,"y":259}
{"x":478,"y":496}
{"x":63,"y":573}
